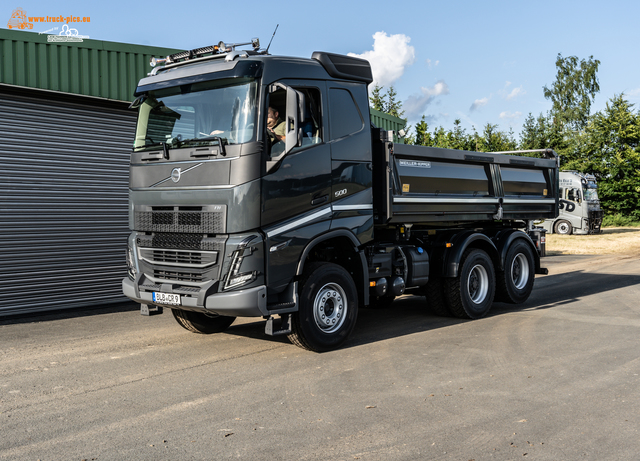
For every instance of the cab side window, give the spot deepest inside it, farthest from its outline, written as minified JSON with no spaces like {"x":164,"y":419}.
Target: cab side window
{"x":310,"y":123}
{"x":345,"y":116}
{"x":573,"y":195}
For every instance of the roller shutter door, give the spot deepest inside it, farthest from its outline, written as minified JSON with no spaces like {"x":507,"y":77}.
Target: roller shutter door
{"x":63,"y":201}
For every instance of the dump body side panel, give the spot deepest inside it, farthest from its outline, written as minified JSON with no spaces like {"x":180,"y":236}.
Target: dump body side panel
{"x":433,"y":185}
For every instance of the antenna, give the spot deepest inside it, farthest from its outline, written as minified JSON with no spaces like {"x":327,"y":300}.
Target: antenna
{"x":274,"y":34}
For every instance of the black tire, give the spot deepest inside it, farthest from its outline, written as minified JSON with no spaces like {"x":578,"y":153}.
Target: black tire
{"x":434,"y":292}
{"x":327,"y":308}
{"x":514,"y":284}
{"x":563,"y":227}
{"x":470,"y":295}
{"x":198,"y":322}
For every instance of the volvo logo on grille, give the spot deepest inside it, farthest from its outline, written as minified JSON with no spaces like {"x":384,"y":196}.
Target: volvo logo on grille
{"x":175,"y":175}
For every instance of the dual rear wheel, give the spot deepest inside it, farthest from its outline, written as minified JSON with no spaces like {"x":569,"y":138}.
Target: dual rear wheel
{"x":471,"y":294}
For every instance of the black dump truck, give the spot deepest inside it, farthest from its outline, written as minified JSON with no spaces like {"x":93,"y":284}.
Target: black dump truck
{"x":231,"y":220}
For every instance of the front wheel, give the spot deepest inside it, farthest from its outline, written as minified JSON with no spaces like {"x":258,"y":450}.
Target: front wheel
{"x":470,"y":295}
{"x":327,"y":310}
{"x":198,"y":322}
{"x":563,"y":227}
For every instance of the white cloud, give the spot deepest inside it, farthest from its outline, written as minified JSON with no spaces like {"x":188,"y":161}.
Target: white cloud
{"x":633,"y":93}
{"x":506,"y":115}
{"x":515,"y":92}
{"x":390,"y":56}
{"x":416,"y":104}
{"x":478,"y":103}
{"x":431,"y":63}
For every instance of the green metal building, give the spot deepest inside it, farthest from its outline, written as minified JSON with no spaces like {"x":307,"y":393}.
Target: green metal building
{"x":65,"y":138}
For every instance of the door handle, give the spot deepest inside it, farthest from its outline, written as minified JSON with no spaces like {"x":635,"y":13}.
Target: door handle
{"x":319,"y":200}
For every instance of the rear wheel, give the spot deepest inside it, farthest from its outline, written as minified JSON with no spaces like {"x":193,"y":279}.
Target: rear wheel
{"x":514,"y":284}
{"x":434,"y":292}
{"x":470,"y":295}
{"x":563,"y":227}
{"x":327,"y":310}
{"x":199,"y":322}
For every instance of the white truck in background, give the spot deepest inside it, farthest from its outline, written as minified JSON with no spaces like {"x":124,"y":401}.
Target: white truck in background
{"x":580,"y":211}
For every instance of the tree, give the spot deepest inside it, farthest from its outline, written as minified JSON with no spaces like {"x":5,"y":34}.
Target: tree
{"x":493,"y":140}
{"x":459,"y":138}
{"x":609,"y":148}
{"x":392,"y":106}
{"x":386,"y":103}
{"x":573,"y":91}
{"x":423,"y":138}
{"x":376,"y":99}
{"x":534,"y":133}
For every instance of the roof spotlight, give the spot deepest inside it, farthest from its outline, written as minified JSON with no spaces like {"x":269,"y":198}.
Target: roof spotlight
{"x":155,"y":61}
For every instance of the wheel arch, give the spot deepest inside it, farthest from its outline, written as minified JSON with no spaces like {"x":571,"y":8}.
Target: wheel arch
{"x":460,"y":243}
{"x":341,"y":247}
{"x":505,"y":239}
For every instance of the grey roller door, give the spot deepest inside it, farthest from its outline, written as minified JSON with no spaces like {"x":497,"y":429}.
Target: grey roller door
{"x":63,"y":201}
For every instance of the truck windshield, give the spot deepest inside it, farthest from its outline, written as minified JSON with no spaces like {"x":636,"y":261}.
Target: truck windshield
{"x":590,"y":194}
{"x":197,"y":114}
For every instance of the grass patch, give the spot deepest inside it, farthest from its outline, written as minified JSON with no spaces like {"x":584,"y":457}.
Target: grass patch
{"x":612,"y":240}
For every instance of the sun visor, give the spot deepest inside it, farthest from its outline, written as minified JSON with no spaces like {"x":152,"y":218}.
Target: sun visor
{"x":199,"y":73}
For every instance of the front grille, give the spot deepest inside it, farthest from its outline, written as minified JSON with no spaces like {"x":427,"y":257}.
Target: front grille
{"x":151,"y":287}
{"x":181,"y":220}
{"x":161,"y":219}
{"x":181,"y":242}
{"x":199,"y":259}
{"x":179,"y":276}
{"x":176,"y":257}
{"x":187,"y":290}
{"x":189,"y":219}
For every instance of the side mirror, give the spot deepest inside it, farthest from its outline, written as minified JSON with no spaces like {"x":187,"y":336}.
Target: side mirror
{"x":296,"y":113}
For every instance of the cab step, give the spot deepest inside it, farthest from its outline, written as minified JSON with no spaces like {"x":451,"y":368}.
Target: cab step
{"x":282,"y":327}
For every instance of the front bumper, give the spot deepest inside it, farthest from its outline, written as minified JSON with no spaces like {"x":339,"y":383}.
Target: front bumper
{"x":251,"y":302}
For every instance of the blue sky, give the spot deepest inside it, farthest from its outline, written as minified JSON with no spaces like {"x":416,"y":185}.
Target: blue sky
{"x":480,"y":62}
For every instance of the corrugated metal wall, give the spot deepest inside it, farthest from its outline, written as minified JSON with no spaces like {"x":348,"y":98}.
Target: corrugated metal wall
{"x":65,"y":166}
{"x":63,"y":201}
{"x":91,"y":67}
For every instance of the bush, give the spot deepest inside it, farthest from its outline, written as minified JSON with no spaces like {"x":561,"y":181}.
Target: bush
{"x":618,"y":220}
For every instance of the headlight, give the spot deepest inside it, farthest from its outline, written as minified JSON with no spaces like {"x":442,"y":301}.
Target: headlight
{"x":234,"y":277}
{"x":131,"y":266}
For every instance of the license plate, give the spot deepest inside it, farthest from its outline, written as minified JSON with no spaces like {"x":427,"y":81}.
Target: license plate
{"x":166,"y":298}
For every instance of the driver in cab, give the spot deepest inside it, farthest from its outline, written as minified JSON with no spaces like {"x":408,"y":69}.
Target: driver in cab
{"x":275,"y":126}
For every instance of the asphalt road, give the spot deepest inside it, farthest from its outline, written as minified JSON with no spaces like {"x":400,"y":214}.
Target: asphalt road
{"x":557,"y":378}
